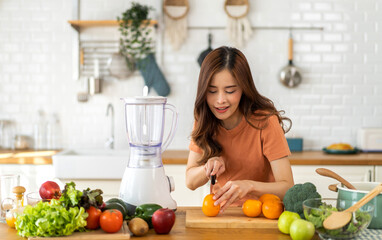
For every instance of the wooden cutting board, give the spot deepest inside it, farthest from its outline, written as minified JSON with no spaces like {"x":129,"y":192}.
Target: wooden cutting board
{"x":230,"y":218}
{"x":124,"y":233}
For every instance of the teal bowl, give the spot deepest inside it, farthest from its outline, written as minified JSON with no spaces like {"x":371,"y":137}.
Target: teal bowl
{"x":362,"y":189}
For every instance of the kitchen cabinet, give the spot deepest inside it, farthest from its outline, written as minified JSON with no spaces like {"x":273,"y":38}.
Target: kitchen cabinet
{"x":31,"y":176}
{"x":182,"y":195}
{"x":302,"y":174}
{"x":378,"y":173}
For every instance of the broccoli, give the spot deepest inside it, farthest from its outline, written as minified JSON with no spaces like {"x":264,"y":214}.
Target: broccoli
{"x":297,"y":194}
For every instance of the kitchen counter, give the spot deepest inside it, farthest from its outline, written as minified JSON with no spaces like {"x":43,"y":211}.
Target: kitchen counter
{"x":180,"y":157}
{"x":298,"y":158}
{"x":179,"y":231}
{"x":26,"y":157}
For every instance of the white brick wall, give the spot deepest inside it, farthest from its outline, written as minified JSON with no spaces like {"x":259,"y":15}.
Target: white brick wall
{"x":342,"y":66}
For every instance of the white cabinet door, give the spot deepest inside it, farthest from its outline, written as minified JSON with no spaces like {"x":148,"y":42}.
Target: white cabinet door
{"x":305,"y":173}
{"x":183,"y":195}
{"x":378,"y":173}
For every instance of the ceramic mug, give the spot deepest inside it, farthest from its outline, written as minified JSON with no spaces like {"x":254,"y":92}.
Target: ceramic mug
{"x":7,"y":183}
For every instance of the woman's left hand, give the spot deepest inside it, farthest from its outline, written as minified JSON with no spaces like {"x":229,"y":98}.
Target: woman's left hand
{"x":231,"y":192}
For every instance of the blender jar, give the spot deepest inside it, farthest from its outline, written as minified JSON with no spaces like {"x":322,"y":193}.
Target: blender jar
{"x":145,"y":119}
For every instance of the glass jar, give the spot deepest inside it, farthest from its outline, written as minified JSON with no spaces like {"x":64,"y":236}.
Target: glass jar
{"x":17,"y":206}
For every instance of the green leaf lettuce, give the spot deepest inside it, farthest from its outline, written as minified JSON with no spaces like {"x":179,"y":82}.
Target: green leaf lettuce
{"x":50,"y":219}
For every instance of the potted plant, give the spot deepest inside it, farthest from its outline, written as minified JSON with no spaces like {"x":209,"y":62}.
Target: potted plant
{"x":138,"y":46}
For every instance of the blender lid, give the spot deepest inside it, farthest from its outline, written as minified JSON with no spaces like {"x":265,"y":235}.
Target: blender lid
{"x":145,"y":100}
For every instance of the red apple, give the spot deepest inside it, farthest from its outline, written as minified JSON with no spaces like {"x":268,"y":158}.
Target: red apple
{"x":50,"y":190}
{"x":163,"y":219}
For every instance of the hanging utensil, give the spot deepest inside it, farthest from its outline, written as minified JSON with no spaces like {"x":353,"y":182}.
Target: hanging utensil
{"x":95,"y":81}
{"x":290,"y":75}
{"x":328,"y":173}
{"x":82,"y":95}
{"x":204,"y":54}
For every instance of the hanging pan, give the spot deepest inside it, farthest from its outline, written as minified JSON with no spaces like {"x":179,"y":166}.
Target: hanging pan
{"x":290,"y":75}
{"x":204,"y":54}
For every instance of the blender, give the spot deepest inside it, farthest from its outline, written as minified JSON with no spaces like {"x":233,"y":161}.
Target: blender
{"x":144,"y":180}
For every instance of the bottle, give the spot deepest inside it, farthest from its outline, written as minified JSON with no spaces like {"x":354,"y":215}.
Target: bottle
{"x":17,"y":206}
{"x":40,"y":132}
{"x":53,"y":132}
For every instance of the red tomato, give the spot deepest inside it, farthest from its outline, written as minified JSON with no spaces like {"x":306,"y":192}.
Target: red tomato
{"x":111,"y":220}
{"x":93,"y":218}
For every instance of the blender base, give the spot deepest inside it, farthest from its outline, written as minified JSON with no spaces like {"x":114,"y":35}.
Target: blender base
{"x":146,"y":185}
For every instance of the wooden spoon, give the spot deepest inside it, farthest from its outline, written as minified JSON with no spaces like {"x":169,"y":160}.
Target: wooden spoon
{"x":328,"y":173}
{"x":333,"y":187}
{"x":339,"y":219}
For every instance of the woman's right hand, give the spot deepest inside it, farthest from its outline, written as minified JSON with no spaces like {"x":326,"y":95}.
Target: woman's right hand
{"x":214,"y":166}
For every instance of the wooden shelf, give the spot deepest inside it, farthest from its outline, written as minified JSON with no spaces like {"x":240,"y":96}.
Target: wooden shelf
{"x":77,"y":24}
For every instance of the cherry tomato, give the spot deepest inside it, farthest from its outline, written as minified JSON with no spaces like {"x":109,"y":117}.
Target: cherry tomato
{"x":93,"y":218}
{"x":111,"y":220}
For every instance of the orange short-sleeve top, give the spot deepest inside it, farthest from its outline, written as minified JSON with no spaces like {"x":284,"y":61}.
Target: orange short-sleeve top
{"x":247,"y":151}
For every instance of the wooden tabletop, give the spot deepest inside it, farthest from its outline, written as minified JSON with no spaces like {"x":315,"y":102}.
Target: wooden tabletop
{"x":180,"y":232}
{"x":180,"y":157}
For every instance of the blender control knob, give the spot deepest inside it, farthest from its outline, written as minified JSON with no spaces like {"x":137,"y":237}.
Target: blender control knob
{"x":171,"y":182}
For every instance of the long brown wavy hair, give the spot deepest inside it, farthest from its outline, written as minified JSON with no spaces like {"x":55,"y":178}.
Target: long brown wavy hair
{"x":206,"y":124}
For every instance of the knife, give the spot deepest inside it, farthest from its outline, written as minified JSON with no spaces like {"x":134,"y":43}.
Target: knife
{"x":213,"y":179}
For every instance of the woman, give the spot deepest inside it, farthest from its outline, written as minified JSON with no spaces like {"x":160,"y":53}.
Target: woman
{"x":238,"y":134}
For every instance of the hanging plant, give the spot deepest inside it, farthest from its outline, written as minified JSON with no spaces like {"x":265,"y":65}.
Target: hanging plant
{"x":136,"y":40}
{"x":137,"y":46}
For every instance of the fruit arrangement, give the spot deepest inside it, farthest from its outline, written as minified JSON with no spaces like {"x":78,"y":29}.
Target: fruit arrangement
{"x":272,"y":207}
{"x":291,"y":220}
{"x":153,"y":216}
{"x":269,"y":205}
{"x":60,"y":213}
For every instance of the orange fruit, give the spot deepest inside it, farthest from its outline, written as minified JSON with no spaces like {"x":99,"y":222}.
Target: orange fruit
{"x":252,"y":208}
{"x":268,"y":196}
{"x":208,"y":208}
{"x":272,"y":209}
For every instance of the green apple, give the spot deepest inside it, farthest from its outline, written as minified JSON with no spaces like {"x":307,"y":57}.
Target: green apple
{"x":301,"y":230}
{"x":285,"y":220}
